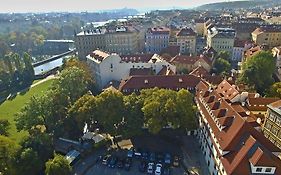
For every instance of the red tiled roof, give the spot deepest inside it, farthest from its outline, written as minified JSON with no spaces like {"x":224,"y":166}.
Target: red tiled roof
{"x":140,"y":71}
{"x":136,"y":58}
{"x":165,"y":71}
{"x":171,"y":51}
{"x":260,"y":103}
{"x":174,"y":82}
{"x":184,"y":59}
{"x":199,"y":72}
{"x":238,"y":138}
{"x":228,"y":91}
{"x":158,"y":30}
{"x":186,"y":32}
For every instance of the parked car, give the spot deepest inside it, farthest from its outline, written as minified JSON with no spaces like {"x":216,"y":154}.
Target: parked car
{"x":130,"y":153}
{"x":176,"y":162}
{"x":120,"y":163}
{"x":137,"y":153}
{"x":98,"y":159}
{"x":142,"y":166}
{"x":113,"y":161}
{"x":145,"y":155}
{"x":158,"y":169}
{"x":152,"y":157}
{"x":150,"y":168}
{"x":166,"y":171}
{"x":160,"y":157}
{"x":128,"y":163}
{"x":106,"y":159}
{"x":167,"y":159}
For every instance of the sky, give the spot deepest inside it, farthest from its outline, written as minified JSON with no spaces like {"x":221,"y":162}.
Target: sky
{"x":93,"y":5}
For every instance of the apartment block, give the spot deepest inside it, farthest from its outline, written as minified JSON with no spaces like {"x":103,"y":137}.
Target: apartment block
{"x":272,"y":124}
{"x":156,"y":39}
{"x":267,"y":35}
{"x":186,"y":39}
{"x":221,"y":39}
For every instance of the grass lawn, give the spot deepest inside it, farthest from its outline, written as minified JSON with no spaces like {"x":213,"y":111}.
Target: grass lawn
{"x":9,"y":108}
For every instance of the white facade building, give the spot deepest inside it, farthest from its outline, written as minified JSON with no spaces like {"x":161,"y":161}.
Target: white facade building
{"x":108,"y":67}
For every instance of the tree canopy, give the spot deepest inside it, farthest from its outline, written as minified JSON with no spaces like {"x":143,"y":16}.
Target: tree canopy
{"x":58,"y":165}
{"x":257,"y":71}
{"x":4,"y":127}
{"x":164,"y":108}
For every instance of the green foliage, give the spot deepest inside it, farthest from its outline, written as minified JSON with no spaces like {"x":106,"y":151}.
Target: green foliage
{"x":28,"y":162}
{"x":224,"y":55}
{"x":4,"y":127}
{"x":110,"y":119}
{"x":221,"y":66}
{"x":9,"y":108}
{"x":274,"y":90}
{"x":8,"y":150}
{"x":58,"y":165}
{"x":164,"y":108}
{"x":16,"y":72}
{"x":257,"y":71}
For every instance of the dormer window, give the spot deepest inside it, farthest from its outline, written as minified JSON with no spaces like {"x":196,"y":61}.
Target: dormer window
{"x":146,"y":81}
{"x":180,"y":80}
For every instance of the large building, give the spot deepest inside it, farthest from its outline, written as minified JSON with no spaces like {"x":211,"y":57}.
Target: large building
{"x":186,"y":64}
{"x":221,"y":39}
{"x":186,"y":39}
{"x":272,"y":124}
{"x":109,"y":67}
{"x":120,"y":39}
{"x":173,"y":82}
{"x":269,"y":35}
{"x":229,"y":136}
{"x":156,"y":39}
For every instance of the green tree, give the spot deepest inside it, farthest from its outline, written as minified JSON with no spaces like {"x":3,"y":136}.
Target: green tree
{"x":4,"y":127}
{"x":133,"y":118}
{"x":58,"y":165}
{"x":8,"y":150}
{"x":224,"y":55}
{"x":221,"y":66}
{"x":28,"y":162}
{"x":257,"y":71}
{"x":83,"y":111}
{"x":168,"y":108}
{"x":274,"y":90}
{"x":110,"y":119}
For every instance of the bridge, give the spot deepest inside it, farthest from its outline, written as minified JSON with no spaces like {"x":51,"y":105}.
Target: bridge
{"x":53,"y":58}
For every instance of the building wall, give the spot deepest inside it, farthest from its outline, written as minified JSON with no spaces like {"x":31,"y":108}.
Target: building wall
{"x":272,"y":127}
{"x":154,"y":43}
{"x":220,"y":44}
{"x":187,"y":44}
{"x":85,"y":44}
{"x":271,"y":39}
{"x":122,"y":43}
{"x":199,"y":27}
{"x":112,"y":68}
{"x":237,"y":54}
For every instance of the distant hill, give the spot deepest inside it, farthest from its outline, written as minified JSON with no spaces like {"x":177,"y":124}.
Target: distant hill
{"x":127,"y":11}
{"x":246,"y":4}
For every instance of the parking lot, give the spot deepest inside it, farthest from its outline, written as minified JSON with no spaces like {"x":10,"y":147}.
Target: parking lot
{"x":150,"y":145}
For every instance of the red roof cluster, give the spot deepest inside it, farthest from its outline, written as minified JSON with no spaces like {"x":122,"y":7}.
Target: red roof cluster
{"x":174,"y":82}
{"x":240,"y":142}
{"x":158,"y":30}
{"x":185,"y":59}
{"x":186,"y":32}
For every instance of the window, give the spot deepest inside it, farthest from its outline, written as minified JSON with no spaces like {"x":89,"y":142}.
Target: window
{"x":259,"y":170}
{"x":268,"y":170}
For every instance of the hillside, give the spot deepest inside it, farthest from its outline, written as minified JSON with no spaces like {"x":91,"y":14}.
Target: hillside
{"x":239,"y":4}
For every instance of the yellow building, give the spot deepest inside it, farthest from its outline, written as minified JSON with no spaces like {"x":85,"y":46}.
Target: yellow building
{"x":221,"y":39}
{"x":122,"y":40}
{"x":272,"y":124}
{"x":199,"y":26}
{"x":269,"y":35}
{"x":186,"y":39}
